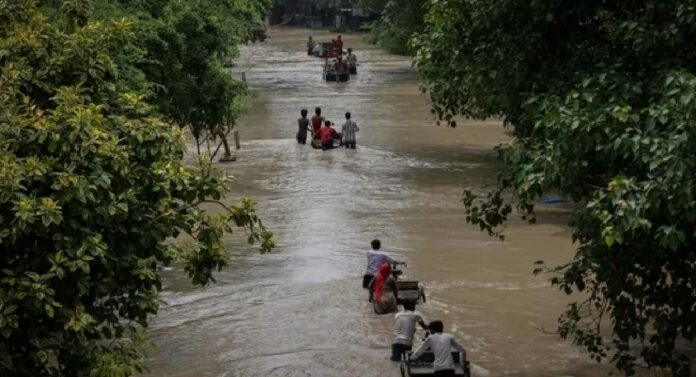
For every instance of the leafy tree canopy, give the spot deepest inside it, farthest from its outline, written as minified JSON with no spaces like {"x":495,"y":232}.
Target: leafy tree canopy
{"x":179,"y":54}
{"x":94,"y":198}
{"x":399,"y":22}
{"x":185,"y":51}
{"x":601,"y":96}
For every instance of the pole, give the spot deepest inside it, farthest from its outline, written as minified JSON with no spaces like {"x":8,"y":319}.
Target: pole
{"x":236,"y":139}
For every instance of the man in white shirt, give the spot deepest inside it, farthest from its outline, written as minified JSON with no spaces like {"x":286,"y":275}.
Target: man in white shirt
{"x":352,"y":62}
{"x":441,"y":346}
{"x":404,"y":328}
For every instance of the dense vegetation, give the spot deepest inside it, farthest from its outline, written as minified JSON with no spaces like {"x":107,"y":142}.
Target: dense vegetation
{"x":179,"y":56}
{"x":601,"y":96}
{"x":94,"y":194}
{"x":399,"y":22}
{"x":186,"y":49}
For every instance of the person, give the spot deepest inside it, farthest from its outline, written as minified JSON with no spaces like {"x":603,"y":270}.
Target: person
{"x":345,"y":67}
{"x":339,"y":69}
{"x":331,"y":53}
{"x":384,"y":292}
{"x":441,"y":345}
{"x":352,"y":61}
{"x":329,"y":69}
{"x":317,"y":120}
{"x":375,"y":258}
{"x":338,"y":43}
{"x":327,"y":134}
{"x":302,"y":127}
{"x":310,"y":45}
{"x":348,"y":130}
{"x":404,"y":328}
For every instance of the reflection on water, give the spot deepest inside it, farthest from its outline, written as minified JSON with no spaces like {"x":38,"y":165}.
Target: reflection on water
{"x":301,"y":311}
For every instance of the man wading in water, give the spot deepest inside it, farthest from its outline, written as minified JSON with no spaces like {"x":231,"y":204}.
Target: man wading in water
{"x":441,"y":346}
{"x":375,"y":258}
{"x":348,"y":130}
{"x":404,"y":328}
{"x":310,"y":45}
{"x":317,"y":120}
{"x":338,"y":44}
{"x":352,"y":61}
{"x":302,"y":127}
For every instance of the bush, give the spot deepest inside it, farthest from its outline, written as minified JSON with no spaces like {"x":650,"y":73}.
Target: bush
{"x":601,"y":97}
{"x":93,"y":194}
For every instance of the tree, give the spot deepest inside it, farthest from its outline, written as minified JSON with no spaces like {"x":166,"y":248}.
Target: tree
{"x":94,"y":199}
{"x":179,"y":56}
{"x":185,"y":53}
{"x":601,"y":99}
{"x":399,"y":22}
{"x":182,"y":58}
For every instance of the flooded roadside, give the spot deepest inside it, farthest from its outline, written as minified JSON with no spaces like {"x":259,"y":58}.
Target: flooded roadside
{"x":300,"y":311}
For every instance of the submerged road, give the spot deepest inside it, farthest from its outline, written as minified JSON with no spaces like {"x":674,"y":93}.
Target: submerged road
{"x":300,"y":311}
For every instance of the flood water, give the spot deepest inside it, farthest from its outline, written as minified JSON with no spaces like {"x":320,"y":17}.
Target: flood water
{"x":301,"y":310}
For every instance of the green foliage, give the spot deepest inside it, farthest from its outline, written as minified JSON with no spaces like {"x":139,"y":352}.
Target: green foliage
{"x":186,"y":51}
{"x":399,"y":22}
{"x":601,"y":97}
{"x":94,"y":199}
{"x":179,"y":54}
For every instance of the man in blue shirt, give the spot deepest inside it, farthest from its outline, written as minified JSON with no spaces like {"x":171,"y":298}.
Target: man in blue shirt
{"x":375,"y":258}
{"x":348,"y":130}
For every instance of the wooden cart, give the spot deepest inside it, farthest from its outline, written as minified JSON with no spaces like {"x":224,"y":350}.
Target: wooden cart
{"x":410,"y":291}
{"x":423,"y":366}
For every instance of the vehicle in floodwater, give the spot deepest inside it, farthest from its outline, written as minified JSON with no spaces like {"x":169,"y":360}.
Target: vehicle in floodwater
{"x":408,"y":291}
{"x":316,"y":143}
{"x":321,"y":49}
{"x":423,"y":366}
{"x":334,"y":72}
{"x":338,"y":77}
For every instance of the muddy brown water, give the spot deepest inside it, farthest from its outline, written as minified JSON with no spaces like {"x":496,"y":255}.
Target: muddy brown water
{"x":301,"y":311}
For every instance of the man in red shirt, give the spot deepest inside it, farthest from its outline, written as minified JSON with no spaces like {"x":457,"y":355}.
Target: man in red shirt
{"x":316,"y":123}
{"x":338,"y":43}
{"x":328,"y":134}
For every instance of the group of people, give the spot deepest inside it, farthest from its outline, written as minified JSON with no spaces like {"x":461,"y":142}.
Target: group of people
{"x":335,"y":50}
{"x":384,"y":294}
{"x":336,"y":63}
{"x":323,"y":130}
